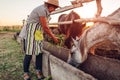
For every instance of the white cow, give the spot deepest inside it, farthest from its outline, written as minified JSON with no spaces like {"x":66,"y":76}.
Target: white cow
{"x":98,"y":35}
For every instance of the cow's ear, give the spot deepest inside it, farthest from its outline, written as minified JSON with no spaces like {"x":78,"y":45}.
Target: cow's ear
{"x":77,"y":38}
{"x":75,"y":42}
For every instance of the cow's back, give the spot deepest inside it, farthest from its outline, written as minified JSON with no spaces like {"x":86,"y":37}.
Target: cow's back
{"x":70,"y":30}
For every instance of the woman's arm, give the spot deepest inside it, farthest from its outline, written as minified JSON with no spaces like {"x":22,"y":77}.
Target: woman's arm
{"x":44,"y":25}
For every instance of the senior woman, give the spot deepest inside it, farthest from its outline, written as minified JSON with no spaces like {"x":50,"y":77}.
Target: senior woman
{"x":36,"y":25}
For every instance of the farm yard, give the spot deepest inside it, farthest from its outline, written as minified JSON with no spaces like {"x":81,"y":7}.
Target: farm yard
{"x":55,"y":59}
{"x":11,"y":58}
{"x":83,"y":52}
{"x":85,"y":44}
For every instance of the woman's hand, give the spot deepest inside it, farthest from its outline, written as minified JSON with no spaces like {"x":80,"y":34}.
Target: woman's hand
{"x":56,"y":40}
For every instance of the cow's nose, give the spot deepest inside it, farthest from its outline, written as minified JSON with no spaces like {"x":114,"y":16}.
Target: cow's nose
{"x":73,"y":63}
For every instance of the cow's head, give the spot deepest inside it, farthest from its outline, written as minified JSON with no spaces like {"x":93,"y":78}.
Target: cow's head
{"x":76,"y":57}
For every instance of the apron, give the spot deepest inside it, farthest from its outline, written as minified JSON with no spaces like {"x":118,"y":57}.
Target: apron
{"x":34,"y":38}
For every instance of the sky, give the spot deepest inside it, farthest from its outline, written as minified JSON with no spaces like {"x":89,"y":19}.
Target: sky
{"x":12,"y":12}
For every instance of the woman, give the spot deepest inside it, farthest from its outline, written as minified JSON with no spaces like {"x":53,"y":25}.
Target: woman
{"x":36,"y":25}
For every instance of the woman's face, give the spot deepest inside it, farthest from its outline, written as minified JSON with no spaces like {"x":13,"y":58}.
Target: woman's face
{"x":51,"y":9}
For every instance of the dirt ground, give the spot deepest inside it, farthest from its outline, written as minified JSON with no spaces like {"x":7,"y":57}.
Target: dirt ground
{"x":10,"y":57}
{"x":6,"y":35}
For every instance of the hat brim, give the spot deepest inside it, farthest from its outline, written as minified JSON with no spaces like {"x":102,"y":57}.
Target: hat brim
{"x":52,"y":4}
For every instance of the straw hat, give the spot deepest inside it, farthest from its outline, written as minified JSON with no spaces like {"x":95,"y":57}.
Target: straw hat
{"x":53,"y":2}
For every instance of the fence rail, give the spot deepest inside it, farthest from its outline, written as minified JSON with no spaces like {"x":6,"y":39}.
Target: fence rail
{"x":66,"y":8}
{"x":110,"y":21}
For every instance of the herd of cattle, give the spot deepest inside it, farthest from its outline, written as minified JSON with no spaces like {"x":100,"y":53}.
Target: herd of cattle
{"x":83,"y":41}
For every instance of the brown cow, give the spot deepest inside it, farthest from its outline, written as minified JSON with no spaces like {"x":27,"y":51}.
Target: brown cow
{"x":70,"y":30}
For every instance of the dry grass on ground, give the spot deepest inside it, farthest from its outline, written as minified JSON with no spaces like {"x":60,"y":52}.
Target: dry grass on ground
{"x":11,"y":58}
